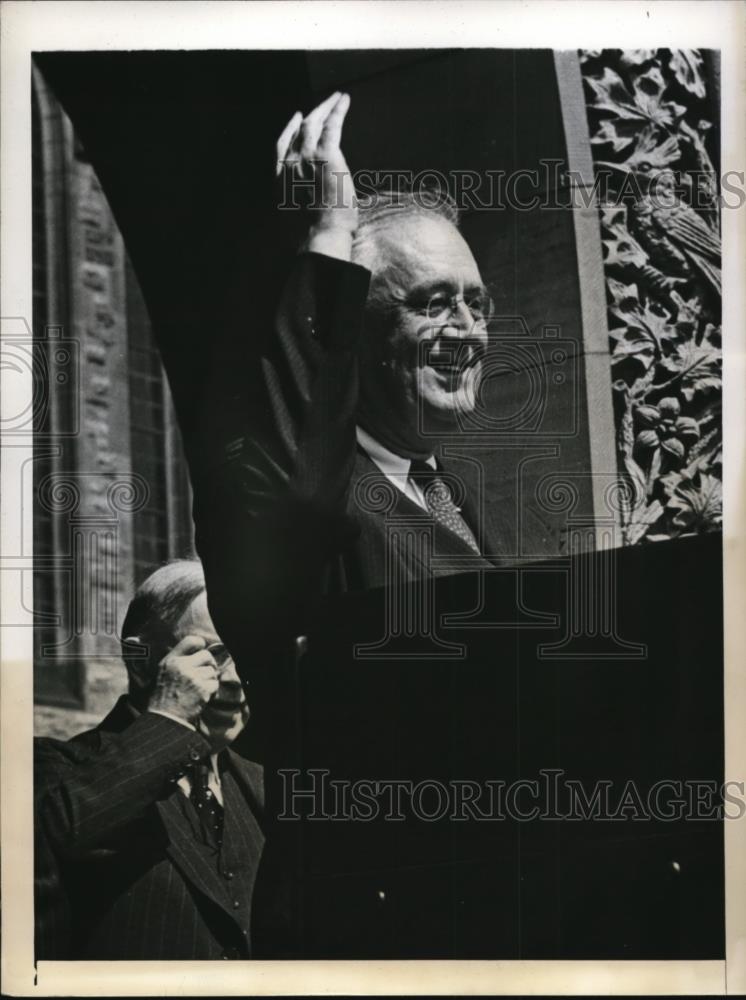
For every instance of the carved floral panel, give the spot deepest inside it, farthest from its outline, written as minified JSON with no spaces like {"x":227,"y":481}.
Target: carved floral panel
{"x":653,"y":118}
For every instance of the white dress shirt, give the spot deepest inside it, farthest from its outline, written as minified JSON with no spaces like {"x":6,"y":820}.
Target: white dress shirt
{"x":393,"y":466}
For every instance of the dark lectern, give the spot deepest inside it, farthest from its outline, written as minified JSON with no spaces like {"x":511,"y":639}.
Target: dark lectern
{"x":439,"y":736}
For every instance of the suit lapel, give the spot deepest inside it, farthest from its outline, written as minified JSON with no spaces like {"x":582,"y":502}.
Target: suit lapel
{"x":474,"y":511}
{"x":446,"y":542}
{"x":184,"y":848}
{"x":375,"y":521}
{"x":182,"y":826}
{"x":176,"y":814}
{"x":250,"y":779}
{"x":243,"y":831}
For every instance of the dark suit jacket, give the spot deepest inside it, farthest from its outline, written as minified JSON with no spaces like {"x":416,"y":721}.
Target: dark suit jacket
{"x":287,"y":507}
{"x":121,"y":869}
{"x":397,"y":541}
{"x":288,"y":510}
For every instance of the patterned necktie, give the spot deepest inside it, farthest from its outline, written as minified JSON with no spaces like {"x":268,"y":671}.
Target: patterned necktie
{"x":208,"y":808}
{"x":439,"y":502}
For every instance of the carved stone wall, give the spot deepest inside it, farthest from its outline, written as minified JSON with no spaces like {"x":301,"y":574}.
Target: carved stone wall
{"x":110,"y":491}
{"x":653,"y":120}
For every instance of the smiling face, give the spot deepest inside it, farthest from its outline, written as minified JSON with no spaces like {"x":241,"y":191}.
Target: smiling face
{"x":419,"y":372}
{"x":227,"y":712}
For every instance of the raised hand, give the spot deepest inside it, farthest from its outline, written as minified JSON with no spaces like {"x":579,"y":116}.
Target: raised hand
{"x":309,"y":150}
{"x":186,"y":680}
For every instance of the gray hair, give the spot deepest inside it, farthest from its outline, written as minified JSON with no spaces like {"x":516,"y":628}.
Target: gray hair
{"x":159,"y":603}
{"x":378,"y":210}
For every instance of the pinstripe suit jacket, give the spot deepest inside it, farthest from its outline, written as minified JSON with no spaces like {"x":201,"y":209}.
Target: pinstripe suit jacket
{"x":121,"y":869}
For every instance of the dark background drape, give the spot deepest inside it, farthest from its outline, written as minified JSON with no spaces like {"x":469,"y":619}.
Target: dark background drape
{"x":184,"y":142}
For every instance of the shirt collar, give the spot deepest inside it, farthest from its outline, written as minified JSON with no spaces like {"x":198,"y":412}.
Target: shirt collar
{"x":387,"y":461}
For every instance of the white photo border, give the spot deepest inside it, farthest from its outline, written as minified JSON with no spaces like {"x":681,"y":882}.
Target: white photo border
{"x":557,"y":24}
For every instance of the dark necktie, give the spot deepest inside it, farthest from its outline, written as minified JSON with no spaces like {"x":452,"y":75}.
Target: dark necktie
{"x":439,"y":502}
{"x":208,"y":808}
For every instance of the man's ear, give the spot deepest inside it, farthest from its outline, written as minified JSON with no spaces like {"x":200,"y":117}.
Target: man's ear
{"x":138,"y":662}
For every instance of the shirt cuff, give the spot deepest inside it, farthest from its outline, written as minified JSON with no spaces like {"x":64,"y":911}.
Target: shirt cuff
{"x":330,"y":243}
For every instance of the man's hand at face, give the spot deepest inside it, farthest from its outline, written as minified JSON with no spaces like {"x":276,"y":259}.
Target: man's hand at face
{"x":309,"y":148}
{"x":187,"y":678}
{"x":227,"y":712}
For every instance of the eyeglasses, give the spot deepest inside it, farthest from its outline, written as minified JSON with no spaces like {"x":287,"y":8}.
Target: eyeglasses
{"x":441,"y":306}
